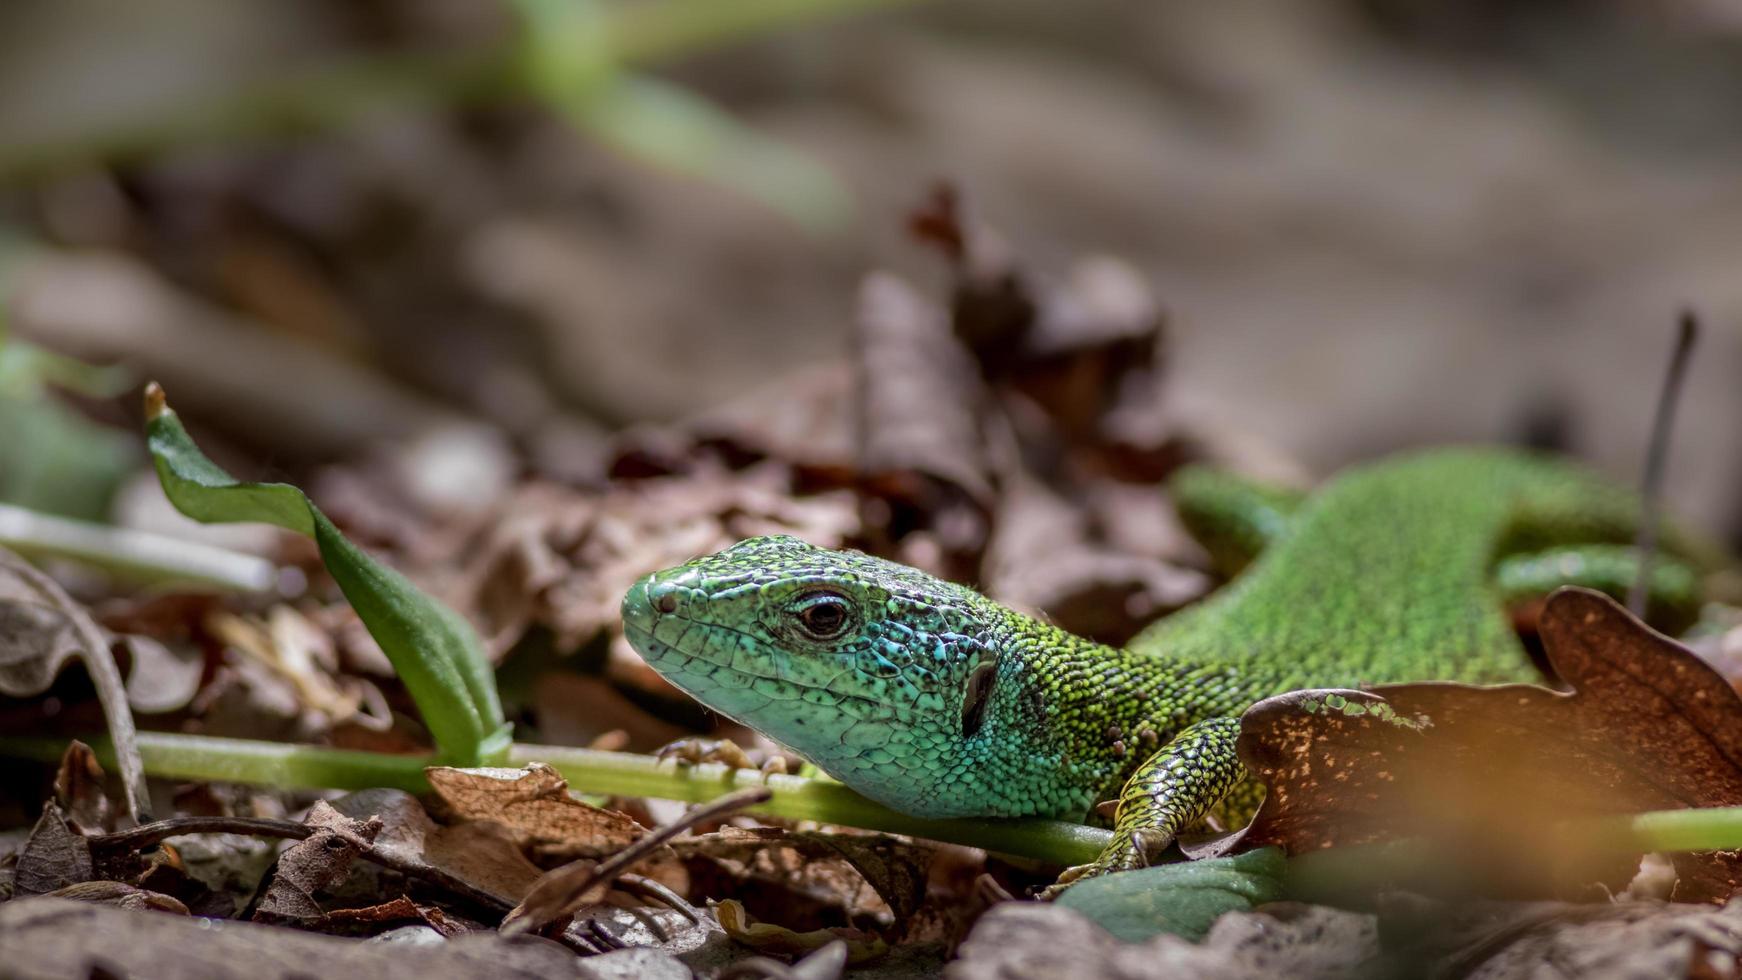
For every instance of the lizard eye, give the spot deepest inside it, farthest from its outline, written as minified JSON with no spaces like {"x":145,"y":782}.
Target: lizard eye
{"x":822,"y":615}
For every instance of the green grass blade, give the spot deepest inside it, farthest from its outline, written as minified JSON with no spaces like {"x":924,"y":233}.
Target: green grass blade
{"x":435,"y":652}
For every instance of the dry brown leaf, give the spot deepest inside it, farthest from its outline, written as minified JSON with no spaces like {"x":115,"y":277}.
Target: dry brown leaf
{"x":1044,"y":558}
{"x":809,"y":877}
{"x":562,"y":558}
{"x":43,"y":630}
{"x":373,"y":919}
{"x":302,"y":655}
{"x":78,"y":790}
{"x":1648,"y":726}
{"x":1087,"y":352}
{"x":484,"y":854}
{"x":767,"y":937}
{"x":53,"y":858}
{"x":920,"y":395}
{"x":563,"y":891}
{"x":314,"y":866}
{"x":536,"y":808}
{"x":535,"y":805}
{"x":121,"y":895}
{"x":163,"y":677}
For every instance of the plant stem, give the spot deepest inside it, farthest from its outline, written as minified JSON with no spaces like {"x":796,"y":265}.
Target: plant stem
{"x":134,"y":554}
{"x":1697,"y":829}
{"x":587,"y":770}
{"x":1336,"y":871}
{"x":1334,"y":875}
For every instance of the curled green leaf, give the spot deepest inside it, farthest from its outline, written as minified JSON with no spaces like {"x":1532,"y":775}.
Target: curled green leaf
{"x":435,"y":652}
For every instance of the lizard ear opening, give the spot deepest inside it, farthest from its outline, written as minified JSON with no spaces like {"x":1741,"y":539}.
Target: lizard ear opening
{"x":978,"y":696}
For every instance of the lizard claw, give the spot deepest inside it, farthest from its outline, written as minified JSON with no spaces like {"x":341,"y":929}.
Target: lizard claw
{"x":1142,"y":848}
{"x":695,"y":751}
{"x":1071,"y":876}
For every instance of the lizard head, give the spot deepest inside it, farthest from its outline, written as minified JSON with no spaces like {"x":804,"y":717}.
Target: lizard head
{"x":877,"y":672}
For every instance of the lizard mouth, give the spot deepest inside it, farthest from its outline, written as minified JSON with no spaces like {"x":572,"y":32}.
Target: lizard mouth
{"x":658,"y":655}
{"x":680,"y":667}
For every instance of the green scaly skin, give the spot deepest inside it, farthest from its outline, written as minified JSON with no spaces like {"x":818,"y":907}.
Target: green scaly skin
{"x":939,"y":702}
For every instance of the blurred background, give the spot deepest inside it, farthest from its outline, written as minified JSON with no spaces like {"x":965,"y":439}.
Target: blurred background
{"x":481,"y":274}
{"x":1372,"y":223}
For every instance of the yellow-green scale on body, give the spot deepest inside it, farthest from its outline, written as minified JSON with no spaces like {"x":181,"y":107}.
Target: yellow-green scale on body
{"x":939,"y":702}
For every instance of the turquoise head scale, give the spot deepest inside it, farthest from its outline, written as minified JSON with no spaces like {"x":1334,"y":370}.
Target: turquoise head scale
{"x":894,"y":681}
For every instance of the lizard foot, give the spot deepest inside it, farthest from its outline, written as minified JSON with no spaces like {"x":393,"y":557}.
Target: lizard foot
{"x":696,"y":751}
{"x":1141,"y":849}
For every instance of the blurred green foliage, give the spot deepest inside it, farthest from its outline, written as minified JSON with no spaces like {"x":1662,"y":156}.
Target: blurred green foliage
{"x":52,"y":458}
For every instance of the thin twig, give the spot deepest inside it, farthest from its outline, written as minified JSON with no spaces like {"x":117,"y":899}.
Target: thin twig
{"x":1656,"y":460}
{"x":560,"y":892}
{"x":105,"y":676}
{"x":649,"y":889}
{"x":155,"y":833}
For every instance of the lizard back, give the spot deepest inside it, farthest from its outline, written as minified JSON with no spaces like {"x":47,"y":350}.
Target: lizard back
{"x":1385,"y":574}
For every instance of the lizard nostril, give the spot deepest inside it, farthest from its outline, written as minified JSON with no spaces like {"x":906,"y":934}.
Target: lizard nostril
{"x":666,"y":603}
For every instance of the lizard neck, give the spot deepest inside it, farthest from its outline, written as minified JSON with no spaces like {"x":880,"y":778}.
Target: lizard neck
{"x":1065,"y":718}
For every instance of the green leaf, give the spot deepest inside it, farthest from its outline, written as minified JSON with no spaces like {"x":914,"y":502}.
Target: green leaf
{"x":565,"y":59}
{"x":1183,"y":899}
{"x":52,"y":459}
{"x":435,"y":652}
{"x":666,"y":126}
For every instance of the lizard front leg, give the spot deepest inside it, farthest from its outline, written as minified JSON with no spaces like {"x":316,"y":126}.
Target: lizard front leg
{"x":1172,"y":790}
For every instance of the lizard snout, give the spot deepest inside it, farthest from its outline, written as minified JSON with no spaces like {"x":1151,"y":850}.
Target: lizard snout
{"x":649,"y":599}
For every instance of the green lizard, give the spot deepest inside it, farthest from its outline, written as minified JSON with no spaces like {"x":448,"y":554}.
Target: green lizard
{"x":932,"y":699}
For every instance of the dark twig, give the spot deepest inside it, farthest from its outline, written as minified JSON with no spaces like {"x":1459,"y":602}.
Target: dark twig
{"x":654,"y":891}
{"x":603,"y":936}
{"x":148,"y":835}
{"x":1657,"y":455}
{"x":560,"y":892}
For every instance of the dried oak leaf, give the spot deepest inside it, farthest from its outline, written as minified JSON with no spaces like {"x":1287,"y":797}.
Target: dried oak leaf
{"x":1496,"y":772}
{"x":535,"y":805}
